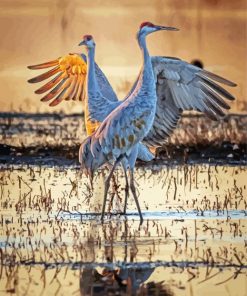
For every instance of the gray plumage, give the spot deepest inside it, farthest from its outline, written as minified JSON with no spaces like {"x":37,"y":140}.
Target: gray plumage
{"x":180,"y":86}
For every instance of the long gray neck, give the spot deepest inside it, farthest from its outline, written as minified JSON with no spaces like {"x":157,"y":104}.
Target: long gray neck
{"x":143,"y":47}
{"x":147,"y":71}
{"x":92,"y":83}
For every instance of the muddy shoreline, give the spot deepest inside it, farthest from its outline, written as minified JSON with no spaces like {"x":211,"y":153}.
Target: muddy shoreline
{"x":54,"y":139}
{"x":227,"y":153}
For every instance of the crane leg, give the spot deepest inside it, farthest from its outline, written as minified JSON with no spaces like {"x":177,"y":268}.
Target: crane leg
{"x":133,"y":190}
{"x":126,"y":191}
{"x":115,"y":192}
{"x":107,"y":184}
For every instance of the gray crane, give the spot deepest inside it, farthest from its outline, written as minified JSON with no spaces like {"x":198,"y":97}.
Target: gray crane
{"x":118,"y":136}
{"x":178,"y":85}
{"x":169,"y":84}
{"x":70,"y":83}
{"x":93,"y":97}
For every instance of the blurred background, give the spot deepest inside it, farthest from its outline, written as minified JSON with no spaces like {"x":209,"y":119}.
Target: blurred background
{"x":211,"y":31}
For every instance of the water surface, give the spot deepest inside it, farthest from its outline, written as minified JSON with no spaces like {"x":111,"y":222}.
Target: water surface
{"x":192,"y":241}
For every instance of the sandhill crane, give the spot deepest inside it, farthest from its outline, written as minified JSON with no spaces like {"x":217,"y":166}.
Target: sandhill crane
{"x":179,"y":86}
{"x":118,"y":137}
{"x":69,"y":83}
{"x":94,"y":97}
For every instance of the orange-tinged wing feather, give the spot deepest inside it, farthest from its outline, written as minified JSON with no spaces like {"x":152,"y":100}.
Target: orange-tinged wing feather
{"x":60,"y":96}
{"x":67,"y":91}
{"x":44,"y":65}
{"x":45,"y":75}
{"x":68,"y":84}
{"x":73,"y":95}
{"x":55,"y":91}
{"x":71,"y":88}
{"x":79,"y":92}
{"x":91,"y":127}
{"x":49,"y":85}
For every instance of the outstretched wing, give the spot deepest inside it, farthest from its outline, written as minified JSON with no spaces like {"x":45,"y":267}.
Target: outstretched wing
{"x":181,"y":86}
{"x":104,"y":85}
{"x":100,"y":107}
{"x":67,"y":80}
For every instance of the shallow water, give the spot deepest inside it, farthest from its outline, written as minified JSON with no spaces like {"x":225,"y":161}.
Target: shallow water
{"x":192,"y":241}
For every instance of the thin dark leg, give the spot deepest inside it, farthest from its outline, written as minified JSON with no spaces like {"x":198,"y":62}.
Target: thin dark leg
{"x":126,"y":191}
{"x":114,"y":190}
{"x":133,"y":190}
{"x":107,"y":184}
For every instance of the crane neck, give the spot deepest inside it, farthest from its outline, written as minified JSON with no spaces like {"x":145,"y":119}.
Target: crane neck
{"x":143,"y":47}
{"x":91,"y":90}
{"x":92,"y":84}
{"x":147,"y":70}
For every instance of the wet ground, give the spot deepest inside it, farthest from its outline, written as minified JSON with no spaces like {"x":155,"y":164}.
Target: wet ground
{"x":193,"y":240}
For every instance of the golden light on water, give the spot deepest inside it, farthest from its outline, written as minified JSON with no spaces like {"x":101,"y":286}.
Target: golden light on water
{"x":204,"y":225}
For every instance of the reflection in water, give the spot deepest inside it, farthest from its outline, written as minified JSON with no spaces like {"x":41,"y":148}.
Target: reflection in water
{"x":125,"y":281}
{"x":119,"y":282}
{"x":193,"y":238}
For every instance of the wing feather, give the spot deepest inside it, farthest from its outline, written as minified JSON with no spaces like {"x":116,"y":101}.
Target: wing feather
{"x":45,"y":75}
{"x":71,"y":71}
{"x":44,"y":65}
{"x":70,"y":66}
{"x":182,"y":86}
{"x":56,"y":90}
{"x":220,"y":90}
{"x":75,"y":88}
{"x":217,"y":78}
{"x":66,"y":92}
{"x":80,"y":88}
{"x":71,"y":88}
{"x":215,"y":97}
{"x":49,"y":85}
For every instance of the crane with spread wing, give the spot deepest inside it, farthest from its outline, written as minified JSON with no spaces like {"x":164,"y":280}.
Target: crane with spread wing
{"x":164,"y":89}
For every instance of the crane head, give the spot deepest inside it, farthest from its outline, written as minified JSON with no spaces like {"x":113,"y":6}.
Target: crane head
{"x":88,"y":41}
{"x":147,"y":28}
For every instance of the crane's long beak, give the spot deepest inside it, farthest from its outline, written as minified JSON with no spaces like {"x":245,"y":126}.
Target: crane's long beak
{"x":166,"y":28}
{"x":82,"y":43}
